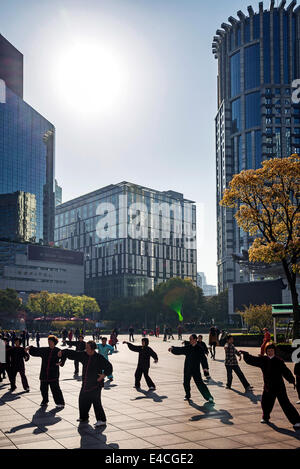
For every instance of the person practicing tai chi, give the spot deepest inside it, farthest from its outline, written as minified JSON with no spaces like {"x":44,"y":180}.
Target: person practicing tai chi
{"x":194,"y":355}
{"x":16,"y":356}
{"x":231,"y":365}
{"x":274,"y":370}
{"x":204,"y":363}
{"x":79,"y":345}
{"x":95,"y":368}
{"x":105,"y":349}
{"x":145,"y":352}
{"x":49,"y":374}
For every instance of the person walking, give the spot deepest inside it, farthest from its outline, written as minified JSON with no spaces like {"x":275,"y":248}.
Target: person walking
{"x":193,"y":357}
{"x":17,"y":355}
{"x":95,"y":368}
{"x":170,"y":333}
{"x":131,"y":331}
{"x":105,"y":350}
{"x":179,"y":331}
{"x":23,"y":339}
{"x":165,"y":333}
{"x":267,"y":339}
{"x":27,"y":336}
{"x":70,"y":336}
{"x":113,"y":340}
{"x":77,"y":334}
{"x":37,"y":338}
{"x":274,"y":370}
{"x":49,"y":374}
{"x":213,"y":342}
{"x":204,"y":362}
{"x":80,"y":346}
{"x":231,"y":365}
{"x":145,"y":352}
{"x":157,"y":331}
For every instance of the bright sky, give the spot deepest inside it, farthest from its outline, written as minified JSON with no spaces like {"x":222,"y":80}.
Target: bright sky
{"x":130,"y":86}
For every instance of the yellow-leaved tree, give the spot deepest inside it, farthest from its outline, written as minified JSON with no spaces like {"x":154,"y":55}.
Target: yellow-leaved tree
{"x":268,"y":207}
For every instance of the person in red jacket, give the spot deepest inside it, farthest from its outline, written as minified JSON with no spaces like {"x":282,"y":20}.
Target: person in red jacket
{"x":274,"y":370}
{"x":267,"y":339}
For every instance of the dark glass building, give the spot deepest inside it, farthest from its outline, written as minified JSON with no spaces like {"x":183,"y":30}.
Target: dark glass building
{"x":258,"y":59}
{"x":26,"y":146}
{"x":18,"y":217}
{"x":133,"y":238}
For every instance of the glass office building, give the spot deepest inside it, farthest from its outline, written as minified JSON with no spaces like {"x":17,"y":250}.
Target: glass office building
{"x":26,"y":149}
{"x":258,"y":59}
{"x":18,"y":217}
{"x":133,"y":238}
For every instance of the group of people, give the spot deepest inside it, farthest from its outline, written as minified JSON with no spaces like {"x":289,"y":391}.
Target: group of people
{"x":96,"y":366}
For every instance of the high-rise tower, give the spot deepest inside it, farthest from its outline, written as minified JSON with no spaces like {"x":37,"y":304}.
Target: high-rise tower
{"x":258,"y":59}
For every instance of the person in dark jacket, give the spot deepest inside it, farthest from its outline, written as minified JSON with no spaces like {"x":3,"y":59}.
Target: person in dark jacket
{"x":37,"y":338}
{"x":5,"y":367}
{"x":193,"y":357}
{"x":23,"y":339}
{"x":204,"y":362}
{"x":49,"y":374}
{"x":17,"y":355}
{"x":274,"y":370}
{"x":131,"y":331}
{"x":95,"y":368}
{"x":80,"y":346}
{"x":145,"y":352}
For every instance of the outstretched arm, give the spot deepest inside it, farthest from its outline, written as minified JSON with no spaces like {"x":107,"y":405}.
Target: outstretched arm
{"x":178,"y":350}
{"x":133,"y":348}
{"x":251,"y":360}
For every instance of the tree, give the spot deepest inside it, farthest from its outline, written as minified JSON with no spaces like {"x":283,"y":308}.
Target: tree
{"x":9,"y":304}
{"x":41,"y":303}
{"x":259,"y":316}
{"x":268,"y":207}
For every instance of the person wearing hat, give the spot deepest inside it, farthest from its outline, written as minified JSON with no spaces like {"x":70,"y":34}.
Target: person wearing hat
{"x":49,"y":374}
{"x":267,"y":339}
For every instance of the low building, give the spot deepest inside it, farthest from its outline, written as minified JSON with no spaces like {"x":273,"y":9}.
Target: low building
{"x":31,"y":268}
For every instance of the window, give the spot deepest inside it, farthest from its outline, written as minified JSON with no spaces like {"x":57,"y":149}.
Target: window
{"x":253,"y":118}
{"x":252,"y":67}
{"x":235,"y":67}
{"x":236,"y":115}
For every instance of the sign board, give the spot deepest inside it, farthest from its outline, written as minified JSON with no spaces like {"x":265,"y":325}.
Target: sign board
{"x":45,"y":254}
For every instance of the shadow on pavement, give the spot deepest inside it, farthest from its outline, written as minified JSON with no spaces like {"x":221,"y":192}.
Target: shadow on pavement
{"x":211,"y":382}
{"x":284,"y":431}
{"x":149,"y":395}
{"x":39,"y":421}
{"x":209,"y":412}
{"x":9,"y":397}
{"x":94,"y":438}
{"x":253,"y":398}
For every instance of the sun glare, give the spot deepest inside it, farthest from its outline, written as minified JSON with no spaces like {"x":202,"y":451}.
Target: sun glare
{"x":92,"y":78}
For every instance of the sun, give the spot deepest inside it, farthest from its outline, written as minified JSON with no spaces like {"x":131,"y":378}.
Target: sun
{"x":91,"y":77}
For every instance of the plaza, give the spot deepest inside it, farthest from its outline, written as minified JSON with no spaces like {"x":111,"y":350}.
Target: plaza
{"x":159,"y":419}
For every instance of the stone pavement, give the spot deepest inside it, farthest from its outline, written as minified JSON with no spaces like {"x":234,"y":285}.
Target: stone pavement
{"x":143,"y":420}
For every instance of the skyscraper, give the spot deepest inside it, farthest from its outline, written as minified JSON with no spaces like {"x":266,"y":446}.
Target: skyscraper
{"x":258,"y":59}
{"x":18,"y":217}
{"x":133,"y":238}
{"x":27,"y":142}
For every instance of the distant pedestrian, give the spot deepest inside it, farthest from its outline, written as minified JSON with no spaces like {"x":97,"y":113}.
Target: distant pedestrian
{"x":27,"y":338}
{"x":113,"y":340}
{"x":179,"y":330}
{"x":23,"y":339}
{"x":131,"y":331}
{"x":213,"y":342}
{"x":145,"y":352}
{"x":37,"y":338}
{"x":170,"y":333}
{"x":266,"y":341}
{"x":204,"y":362}
{"x":274,"y":370}
{"x":165,"y":333}
{"x":157,"y":331}
{"x":105,"y":350}
{"x":231,"y":365}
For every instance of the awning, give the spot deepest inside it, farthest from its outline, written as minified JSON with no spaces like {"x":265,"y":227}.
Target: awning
{"x":282,"y":311}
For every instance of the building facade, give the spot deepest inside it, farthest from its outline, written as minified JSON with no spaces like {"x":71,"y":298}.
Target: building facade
{"x":30,"y":268}
{"x":133,"y":238}
{"x":258,"y":60}
{"x":208,"y":290}
{"x":27,"y":142}
{"x":18,"y":217}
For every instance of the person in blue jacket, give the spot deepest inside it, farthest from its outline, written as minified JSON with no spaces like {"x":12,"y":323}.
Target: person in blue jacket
{"x":105,"y":350}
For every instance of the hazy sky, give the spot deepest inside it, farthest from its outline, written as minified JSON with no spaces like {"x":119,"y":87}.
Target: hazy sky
{"x":145,"y":112}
